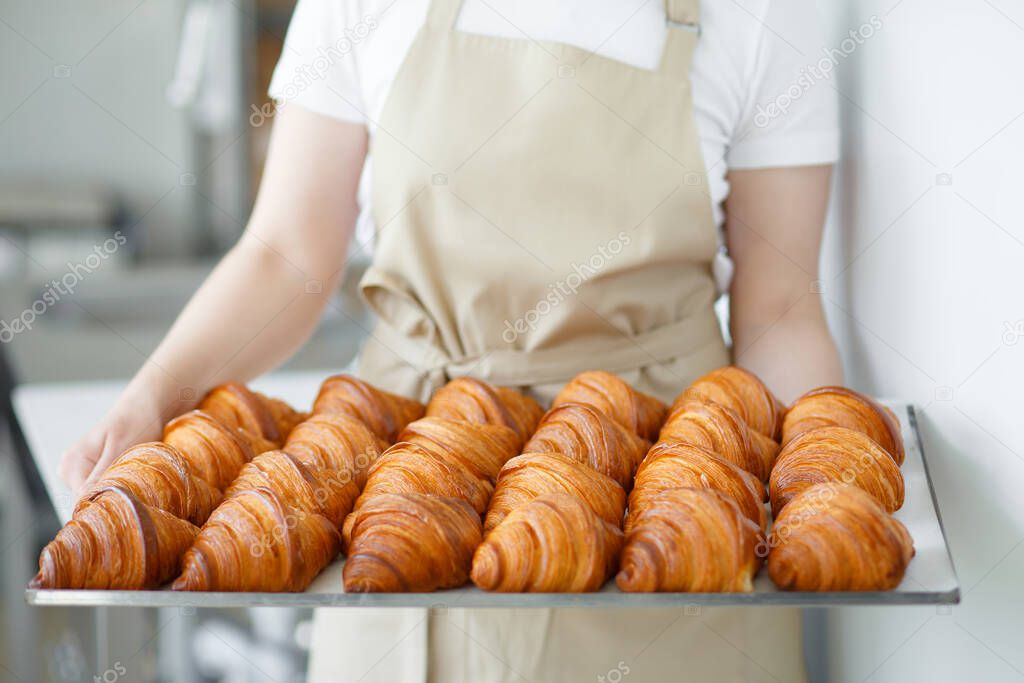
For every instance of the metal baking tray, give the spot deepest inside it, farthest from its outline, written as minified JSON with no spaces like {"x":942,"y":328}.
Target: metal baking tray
{"x":930,"y":578}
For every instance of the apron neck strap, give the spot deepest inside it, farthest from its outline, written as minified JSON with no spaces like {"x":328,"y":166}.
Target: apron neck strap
{"x":443,"y":13}
{"x":683,"y":20}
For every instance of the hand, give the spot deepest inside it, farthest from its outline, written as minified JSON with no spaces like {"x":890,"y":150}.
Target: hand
{"x":127,"y":424}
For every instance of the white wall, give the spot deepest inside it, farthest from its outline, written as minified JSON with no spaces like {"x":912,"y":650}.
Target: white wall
{"x":923,"y":277}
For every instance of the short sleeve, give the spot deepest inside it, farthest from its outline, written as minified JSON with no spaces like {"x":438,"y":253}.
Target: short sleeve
{"x":317,"y":69}
{"x":790,"y":117}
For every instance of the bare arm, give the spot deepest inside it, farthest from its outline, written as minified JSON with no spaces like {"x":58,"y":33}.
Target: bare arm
{"x":774,"y":220}
{"x":263,"y":299}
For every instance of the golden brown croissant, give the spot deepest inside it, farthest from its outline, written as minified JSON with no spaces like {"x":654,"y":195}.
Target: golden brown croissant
{"x":742,"y":391}
{"x":835,"y":454}
{"x":413,"y":468}
{"x":836,"y":537}
{"x":159,"y":476}
{"x":675,"y":465}
{"x":411,"y":543}
{"x":638,"y":412}
{"x":285,"y":417}
{"x":214,"y":451}
{"x":115,"y":542}
{"x":690,"y":540}
{"x":255,"y":541}
{"x":312,"y":490}
{"x":483,"y":448}
{"x":472,"y":400}
{"x":385,"y":414}
{"x":336,"y":442}
{"x":551,"y":544}
{"x":842,"y":407}
{"x":587,"y":435}
{"x":719,"y":429}
{"x":531,"y":475}
{"x":237,"y":407}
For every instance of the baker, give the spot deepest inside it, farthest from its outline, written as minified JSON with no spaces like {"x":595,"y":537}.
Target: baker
{"x":554,"y":187}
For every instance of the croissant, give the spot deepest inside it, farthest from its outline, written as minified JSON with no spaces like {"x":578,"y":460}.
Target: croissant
{"x":472,"y":400}
{"x":285,"y":417}
{"x":613,"y":396}
{"x":842,"y":407}
{"x":532,"y":475}
{"x":483,"y":448}
{"x":835,"y":454}
{"x":411,"y":543}
{"x":214,"y":451}
{"x":255,"y":541}
{"x":336,"y":442}
{"x":236,"y":406}
{"x":835,"y":537}
{"x":384,"y":413}
{"x":586,"y":435}
{"x":675,"y":465}
{"x":413,"y":468}
{"x":321,"y":491}
{"x":719,"y":429}
{"x":742,"y":391}
{"x":551,"y":544}
{"x":157,"y":475}
{"x":114,"y":542}
{"x":690,"y":540}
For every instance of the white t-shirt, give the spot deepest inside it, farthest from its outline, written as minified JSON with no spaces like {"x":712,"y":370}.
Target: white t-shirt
{"x":759,"y":77}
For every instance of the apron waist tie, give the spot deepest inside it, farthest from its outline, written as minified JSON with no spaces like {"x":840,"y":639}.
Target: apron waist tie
{"x":513,"y":367}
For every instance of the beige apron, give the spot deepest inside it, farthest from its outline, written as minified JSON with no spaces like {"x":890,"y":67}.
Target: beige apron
{"x":541,"y":211}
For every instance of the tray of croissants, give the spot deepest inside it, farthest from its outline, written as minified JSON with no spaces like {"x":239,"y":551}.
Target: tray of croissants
{"x":482,"y":497}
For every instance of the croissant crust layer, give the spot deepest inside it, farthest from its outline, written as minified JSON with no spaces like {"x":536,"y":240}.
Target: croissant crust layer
{"x":385,"y":414}
{"x":411,"y":543}
{"x":638,"y":412}
{"x":553,"y":543}
{"x":836,"y":537}
{"x":835,"y":454}
{"x":472,"y":400}
{"x":842,"y":407}
{"x":690,"y":540}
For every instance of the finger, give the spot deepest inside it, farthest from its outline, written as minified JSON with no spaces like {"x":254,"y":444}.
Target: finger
{"x":74,"y":468}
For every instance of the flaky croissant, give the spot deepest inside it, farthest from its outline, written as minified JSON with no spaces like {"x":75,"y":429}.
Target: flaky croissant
{"x":115,"y":542}
{"x":312,"y":490}
{"x":743,"y":392}
{"x":411,"y":543}
{"x":532,"y":475}
{"x":587,"y":435}
{"x":336,"y":442}
{"x":842,"y":407}
{"x":675,"y":465}
{"x":551,"y":544}
{"x":255,"y":541}
{"x":214,"y":451}
{"x":158,"y":475}
{"x":237,"y":407}
{"x":836,"y":537}
{"x":835,"y":454}
{"x":719,"y":429}
{"x":472,"y":400}
{"x":419,"y":469}
{"x":690,"y":540}
{"x":385,"y":414}
{"x":638,"y":412}
{"x":483,"y":448}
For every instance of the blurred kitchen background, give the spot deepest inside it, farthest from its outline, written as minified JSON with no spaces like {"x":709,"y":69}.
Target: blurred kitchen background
{"x":139,"y":118}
